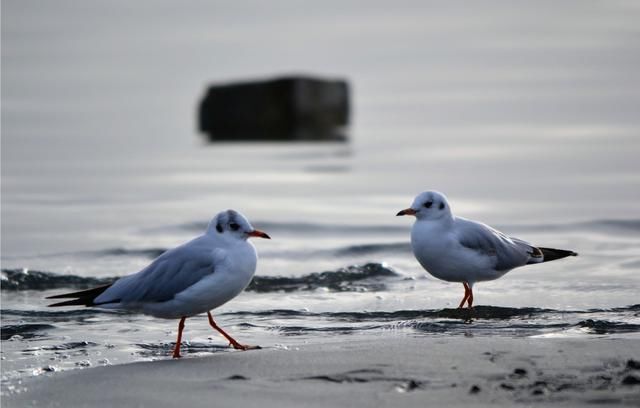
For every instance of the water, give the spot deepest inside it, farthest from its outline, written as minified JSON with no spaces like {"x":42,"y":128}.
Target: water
{"x":526,"y":117}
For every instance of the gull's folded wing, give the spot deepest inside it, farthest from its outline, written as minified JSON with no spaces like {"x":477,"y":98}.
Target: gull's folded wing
{"x":508,"y":252}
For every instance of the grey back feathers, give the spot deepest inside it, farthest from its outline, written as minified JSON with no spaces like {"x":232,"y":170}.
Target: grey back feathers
{"x":173,"y":272}
{"x":508,"y":252}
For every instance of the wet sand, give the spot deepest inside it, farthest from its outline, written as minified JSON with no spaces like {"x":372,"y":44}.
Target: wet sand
{"x":389,"y":370}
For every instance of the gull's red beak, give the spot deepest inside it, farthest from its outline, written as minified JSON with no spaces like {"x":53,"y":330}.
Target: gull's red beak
{"x":408,"y":211}
{"x":259,"y":234}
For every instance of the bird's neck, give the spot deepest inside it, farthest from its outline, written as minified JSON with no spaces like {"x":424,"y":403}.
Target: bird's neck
{"x":442,"y":222}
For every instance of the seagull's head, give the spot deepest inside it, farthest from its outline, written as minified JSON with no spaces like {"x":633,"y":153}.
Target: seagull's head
{"x":231,"y":224}
{"x":430,"y":205}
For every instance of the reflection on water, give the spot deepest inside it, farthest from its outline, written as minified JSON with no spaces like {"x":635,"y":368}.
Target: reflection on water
{"x":525,"y":116}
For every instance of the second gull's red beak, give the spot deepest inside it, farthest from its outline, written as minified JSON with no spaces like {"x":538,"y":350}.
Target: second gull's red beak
{"x":408,"y":211}
{"x":259,"y":234}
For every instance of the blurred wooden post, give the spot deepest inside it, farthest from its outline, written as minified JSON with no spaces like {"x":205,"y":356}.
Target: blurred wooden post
{"x":287,"y":108}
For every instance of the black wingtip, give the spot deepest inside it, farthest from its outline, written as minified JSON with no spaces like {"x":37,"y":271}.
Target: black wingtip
{"x":80,"y":298}
{"x":74,"y":302}
{"x":551,"y":254}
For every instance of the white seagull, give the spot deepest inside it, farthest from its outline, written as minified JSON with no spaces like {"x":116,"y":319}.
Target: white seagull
{"x":193,"y":278}
{"x":455,"y":249}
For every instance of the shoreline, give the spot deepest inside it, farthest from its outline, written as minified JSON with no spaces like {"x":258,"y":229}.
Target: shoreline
{"x":387,"y":370}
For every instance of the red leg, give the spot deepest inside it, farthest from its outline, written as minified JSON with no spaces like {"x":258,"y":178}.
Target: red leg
{"x":470,"y":298}
{"x":176,"y":350}
{"x":467,"y":292}
{"x":231,"y":340}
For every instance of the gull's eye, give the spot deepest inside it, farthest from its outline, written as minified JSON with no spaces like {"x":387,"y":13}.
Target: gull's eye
{"x":428,"y":204}
{"x":219,"y":228}
{"x":234,"y":226}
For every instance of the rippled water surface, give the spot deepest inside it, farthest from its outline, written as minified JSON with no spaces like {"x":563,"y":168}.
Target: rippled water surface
{"x":526,"y":118}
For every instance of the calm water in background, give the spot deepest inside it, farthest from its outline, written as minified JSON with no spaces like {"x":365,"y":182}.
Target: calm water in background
{"x":526,"y":117}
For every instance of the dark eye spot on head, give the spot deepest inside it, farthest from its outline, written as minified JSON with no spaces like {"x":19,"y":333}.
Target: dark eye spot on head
{"x":428,"y":204}
{"x":442,"y":206}
{"x":234,"y":226}
{"x":219,"y":228}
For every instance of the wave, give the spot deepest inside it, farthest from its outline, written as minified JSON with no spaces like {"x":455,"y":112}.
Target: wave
{"x":25,"y":279}
{"x":187,"y":347}
{"x":25,"y":331}
{"x":482,"y":312}
{"x":462,"y":327}
{"x":608,"y":327}
{"x":483,"y":320}
{"x":478,"y":312}
{"x":356,"y":278}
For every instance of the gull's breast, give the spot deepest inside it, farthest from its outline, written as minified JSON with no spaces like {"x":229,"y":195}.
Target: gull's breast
{"x":439,"y":252}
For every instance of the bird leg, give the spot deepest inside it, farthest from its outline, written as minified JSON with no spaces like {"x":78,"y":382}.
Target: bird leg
{"x":231,"y":340}
{"x":176,"y":350}
{"x":468,"y":296}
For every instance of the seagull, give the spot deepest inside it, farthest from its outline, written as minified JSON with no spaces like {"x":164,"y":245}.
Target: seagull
{"x":193,"y":278}
{"x":455,"y":249}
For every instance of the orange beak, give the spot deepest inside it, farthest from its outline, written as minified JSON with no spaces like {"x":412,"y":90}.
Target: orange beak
{"x":408,"y":211}
{"x":259,"y":234}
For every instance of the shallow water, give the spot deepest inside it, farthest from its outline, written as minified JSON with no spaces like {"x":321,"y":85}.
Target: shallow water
{"x":526,"y":120}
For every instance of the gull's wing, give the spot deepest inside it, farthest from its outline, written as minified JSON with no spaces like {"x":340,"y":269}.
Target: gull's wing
{"x":508,"y":252}
{"x":168,"y":275}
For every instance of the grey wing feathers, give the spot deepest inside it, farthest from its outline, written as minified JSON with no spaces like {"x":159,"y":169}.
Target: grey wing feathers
{"x":168,"y":275}
{"x":509,"y":252}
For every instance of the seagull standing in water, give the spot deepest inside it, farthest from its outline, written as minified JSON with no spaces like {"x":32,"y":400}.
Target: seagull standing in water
{"x":455,"y":249}
{"x":190,"y":279}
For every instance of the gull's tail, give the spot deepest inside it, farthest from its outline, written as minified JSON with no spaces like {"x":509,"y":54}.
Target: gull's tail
{"x":551,"y":254}
{"x":81,"y":298}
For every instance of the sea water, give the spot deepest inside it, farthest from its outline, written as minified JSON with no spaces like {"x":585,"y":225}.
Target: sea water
{"x":526,"y":117}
